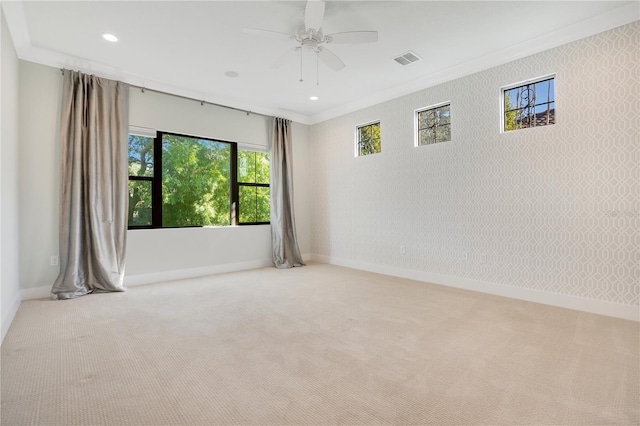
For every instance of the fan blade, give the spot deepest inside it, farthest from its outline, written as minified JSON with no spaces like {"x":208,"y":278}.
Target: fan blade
{"x":313,"y":15}
{"x":267,"y":33}
{"x":330,"y":59}
{"x":354,"y":37}
{"x":285,"y":57}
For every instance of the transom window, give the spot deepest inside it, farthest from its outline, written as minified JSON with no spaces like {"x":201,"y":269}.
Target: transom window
{"x":184,"y":181}
{"x":433,"y":124}
{"x":529,"y":105}
{"x":368,"y":139}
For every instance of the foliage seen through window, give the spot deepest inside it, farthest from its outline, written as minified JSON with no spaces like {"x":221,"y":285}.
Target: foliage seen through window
{"x":182,"y":181}
{"x":369,"y":139}
{"x":434,"y":125}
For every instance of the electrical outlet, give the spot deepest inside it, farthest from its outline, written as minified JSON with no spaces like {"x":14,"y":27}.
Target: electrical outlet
{"x":403,"y":249}
{"x":53,"y":260}
{"x":483,"y":257}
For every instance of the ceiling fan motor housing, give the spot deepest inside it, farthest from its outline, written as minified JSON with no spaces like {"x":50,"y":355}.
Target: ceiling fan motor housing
{"x":310,"y":45}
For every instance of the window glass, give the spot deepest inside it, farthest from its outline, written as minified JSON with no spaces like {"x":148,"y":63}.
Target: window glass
{"x":254,"y":169}
{"x":254,"y":204}
{"x":434,"y":125}
{"x":140,"y":155}
{"x":368,"y":137}
{"x":183,"y":181}
{"x":140,"y":203}
{"x":196,"y":185}
{"x":529,"y":105}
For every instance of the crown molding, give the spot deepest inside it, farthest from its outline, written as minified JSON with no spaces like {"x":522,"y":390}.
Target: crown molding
{"x":17,"y":23}
{"x":601,"y":23}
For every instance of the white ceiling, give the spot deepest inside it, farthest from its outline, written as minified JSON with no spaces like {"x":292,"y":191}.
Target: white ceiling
{"x":186,"y":47}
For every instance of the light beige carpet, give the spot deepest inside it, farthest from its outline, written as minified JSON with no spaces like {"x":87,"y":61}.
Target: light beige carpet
{"x":315,"y":345}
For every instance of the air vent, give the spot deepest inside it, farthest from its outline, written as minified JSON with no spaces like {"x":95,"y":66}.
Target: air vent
{"x":407,"y":58}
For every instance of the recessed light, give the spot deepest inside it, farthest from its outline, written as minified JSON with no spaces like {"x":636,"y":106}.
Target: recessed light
{"x":110,"y":37}
{"x":314,"y":98}
{"x":231,"y":74}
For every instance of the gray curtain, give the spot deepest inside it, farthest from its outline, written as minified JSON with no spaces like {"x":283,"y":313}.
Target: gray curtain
{"x":286,"y":253}
{"x":93,"y":185}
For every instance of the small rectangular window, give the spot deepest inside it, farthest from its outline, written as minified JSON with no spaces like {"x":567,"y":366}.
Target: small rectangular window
{"x":368,"y":139}
{"x":254,"y":174}
{"x":529,"y":105}
{"x":433,"y":124}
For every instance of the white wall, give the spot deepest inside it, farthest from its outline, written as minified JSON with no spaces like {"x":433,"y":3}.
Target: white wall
{"x":151,"y":254}
{"x":556,"y":209}
{"x":39,"y":158}
{"x":191,"y":252}
{"x":9,"y":219}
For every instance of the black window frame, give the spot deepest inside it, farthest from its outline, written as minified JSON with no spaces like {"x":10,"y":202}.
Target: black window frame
{"x":249,"y":184}
{"x":156,"y":184}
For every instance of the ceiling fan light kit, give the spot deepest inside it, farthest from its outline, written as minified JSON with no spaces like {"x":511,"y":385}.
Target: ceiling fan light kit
{"x":311,"y":38}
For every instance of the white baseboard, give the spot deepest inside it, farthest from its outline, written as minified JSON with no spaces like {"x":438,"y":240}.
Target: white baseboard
{"x":156,"y":277}
{"x":43,"y":292}
{"x":181,"y":274}
{"x":616,"y":310}
{"x":7,"y":317}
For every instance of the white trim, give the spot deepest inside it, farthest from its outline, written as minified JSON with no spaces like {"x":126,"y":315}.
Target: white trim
{"x":253,"y":147}
{"x":143,"y":131}
{"x":7,"y":317}
{"x":615,"y":18}
{"x":156,"y":277}
{"x":616,"y":310}
{"x":42,"y":292}
{"x":181,"y":274}
{"x":15,"y":17}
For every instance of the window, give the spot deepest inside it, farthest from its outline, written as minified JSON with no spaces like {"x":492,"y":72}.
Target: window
{"x":141,"y":177}
{"x":433,"y":124}
{"x":368,"y":139}
{"x":529,"y":105}
{"x":183,"y":181}
{"x":253,"y":187}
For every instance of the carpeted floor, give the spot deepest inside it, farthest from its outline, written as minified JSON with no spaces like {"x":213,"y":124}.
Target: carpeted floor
{"x":315,"y":345}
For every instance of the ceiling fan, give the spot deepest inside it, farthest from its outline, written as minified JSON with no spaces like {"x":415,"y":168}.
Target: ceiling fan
{"x":311,"y":38}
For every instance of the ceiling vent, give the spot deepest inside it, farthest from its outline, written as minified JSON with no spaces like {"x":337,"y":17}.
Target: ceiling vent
{"x":407,"y":58}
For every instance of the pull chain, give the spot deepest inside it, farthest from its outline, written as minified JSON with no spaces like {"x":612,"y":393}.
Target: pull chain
{"x":301,"y":80}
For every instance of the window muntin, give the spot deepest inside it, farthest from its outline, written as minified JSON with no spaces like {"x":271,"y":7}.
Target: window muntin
{"x":529,"y":105}
{"x":182,"y":181}
{"x":368,"y":139}
{"x":433,"y":124}
{"x":254,"y":174}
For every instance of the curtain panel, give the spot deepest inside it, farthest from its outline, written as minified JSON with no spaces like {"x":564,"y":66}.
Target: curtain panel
{"x":93,"y":185}
{"x":286,"y":253}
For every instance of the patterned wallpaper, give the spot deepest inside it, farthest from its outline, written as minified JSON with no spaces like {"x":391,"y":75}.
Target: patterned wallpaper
{"x":554,"y":208}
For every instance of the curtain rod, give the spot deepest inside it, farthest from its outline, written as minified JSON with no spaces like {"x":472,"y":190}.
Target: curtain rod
{"x":202,"y":102}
